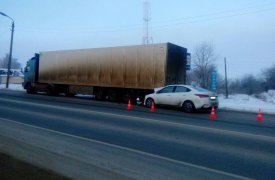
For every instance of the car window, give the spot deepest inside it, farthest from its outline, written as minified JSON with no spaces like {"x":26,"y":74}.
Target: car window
{"x":168,"y":89}
{"x":27,"y":69}
{"x":200,"y":89}
{"x":181,"y":89}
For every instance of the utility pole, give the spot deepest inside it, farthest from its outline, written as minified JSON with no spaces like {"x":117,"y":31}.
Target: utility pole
{"x":11,"y":43}
{"x":226,"y":87}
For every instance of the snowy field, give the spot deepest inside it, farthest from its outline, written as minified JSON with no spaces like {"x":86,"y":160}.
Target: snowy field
{"x":239,"y":102}
{"x":16,"y":87}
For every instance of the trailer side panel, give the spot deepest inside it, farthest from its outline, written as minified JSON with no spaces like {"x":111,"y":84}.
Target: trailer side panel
{"x":140,"y":67}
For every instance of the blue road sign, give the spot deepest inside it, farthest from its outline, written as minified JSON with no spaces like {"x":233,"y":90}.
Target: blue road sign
{"x":213,"y":81}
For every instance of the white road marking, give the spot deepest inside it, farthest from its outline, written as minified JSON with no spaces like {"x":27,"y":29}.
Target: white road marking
{"x":128,"y":117}
{"x":130,"y":150}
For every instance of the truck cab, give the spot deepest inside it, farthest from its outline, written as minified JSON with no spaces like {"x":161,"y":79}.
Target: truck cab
{"x":31,"y":73}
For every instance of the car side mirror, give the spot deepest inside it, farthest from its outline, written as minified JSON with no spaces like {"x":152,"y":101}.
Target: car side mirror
{"x":27,"y":69}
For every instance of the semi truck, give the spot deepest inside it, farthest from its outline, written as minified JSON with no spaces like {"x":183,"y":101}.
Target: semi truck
{"x":113,"y":73}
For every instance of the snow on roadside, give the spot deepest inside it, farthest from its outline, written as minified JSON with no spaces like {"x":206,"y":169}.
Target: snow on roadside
{"x":16,"y":87}
{"x":239,"y":102}
{"x":269,"y":96}
{"x":242,"y":102}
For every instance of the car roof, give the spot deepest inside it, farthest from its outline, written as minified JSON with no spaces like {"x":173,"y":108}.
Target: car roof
{"x":180,"y":85}
{"x":196,"y":88}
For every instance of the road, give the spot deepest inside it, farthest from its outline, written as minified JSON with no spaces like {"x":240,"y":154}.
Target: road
{"x":86,"y":139}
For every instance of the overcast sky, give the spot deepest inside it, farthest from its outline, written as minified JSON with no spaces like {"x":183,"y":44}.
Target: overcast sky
{"x":243,"y":31}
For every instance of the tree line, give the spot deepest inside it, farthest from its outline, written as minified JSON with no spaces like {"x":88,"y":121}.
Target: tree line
{"x":5,"y":60}
{"x":204,"y":58}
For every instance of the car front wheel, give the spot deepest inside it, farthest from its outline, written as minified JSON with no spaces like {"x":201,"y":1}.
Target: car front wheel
{"x":188,"y":106}
{"x":149,"y":102}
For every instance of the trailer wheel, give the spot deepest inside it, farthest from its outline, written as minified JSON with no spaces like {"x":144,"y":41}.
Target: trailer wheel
{"x":112,"y":94}
{"x":126,"y":97}
{"x":69,"y":94}
{"x":51,"y":90}
{"x":99,"y":95}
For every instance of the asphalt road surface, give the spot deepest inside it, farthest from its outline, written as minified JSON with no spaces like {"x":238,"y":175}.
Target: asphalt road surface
{"x":86,"y":139}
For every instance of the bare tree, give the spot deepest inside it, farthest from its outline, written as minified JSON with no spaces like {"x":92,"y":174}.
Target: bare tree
{"x":269,"y":75}
{"x":14,"y":63}
{"x":203,"y":61}
{"x":248,"y":84}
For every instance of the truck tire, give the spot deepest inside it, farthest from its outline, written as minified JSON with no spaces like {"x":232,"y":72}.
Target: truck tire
{"x":126,"y":97}
{"x":51,"y":90}
{"x":113,"y":96}
{"x":99,"y":94}
{"x":68,"y":93}
{"x":29,"y":89}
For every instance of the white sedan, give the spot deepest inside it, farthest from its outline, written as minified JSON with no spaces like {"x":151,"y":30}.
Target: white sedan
{"x":188,"y":97}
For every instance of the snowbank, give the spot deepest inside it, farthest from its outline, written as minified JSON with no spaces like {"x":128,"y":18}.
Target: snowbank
{"x":267,"y":97}
{"x":242,"y":102}
{"x":239,"y":102}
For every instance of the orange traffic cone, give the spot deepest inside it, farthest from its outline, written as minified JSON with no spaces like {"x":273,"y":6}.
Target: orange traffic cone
{"x":212,"y":115}
{"x":259,"y":116}
{"x":129,"y":106}
{"x":152,"y":109}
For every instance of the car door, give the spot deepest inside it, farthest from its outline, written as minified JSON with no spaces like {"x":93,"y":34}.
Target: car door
{"x":163,"y":96}
{"x":181,"y":94}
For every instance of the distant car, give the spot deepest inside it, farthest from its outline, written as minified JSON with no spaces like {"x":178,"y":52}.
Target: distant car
{"x":188,"y":97}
